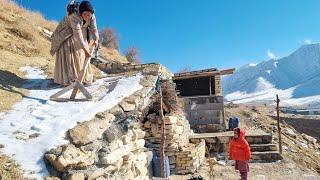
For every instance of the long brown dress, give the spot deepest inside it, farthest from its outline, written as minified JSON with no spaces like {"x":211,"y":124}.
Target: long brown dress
{"x":70,"y":55}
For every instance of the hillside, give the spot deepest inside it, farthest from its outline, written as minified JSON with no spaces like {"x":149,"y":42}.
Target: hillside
{"x":24,"y":40}
{"x":292,"y":77}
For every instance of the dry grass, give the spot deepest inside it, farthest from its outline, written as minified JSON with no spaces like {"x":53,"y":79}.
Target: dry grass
{"x":112,"y":55}
{"x":9,"y":170}
{"x":21,"y":44}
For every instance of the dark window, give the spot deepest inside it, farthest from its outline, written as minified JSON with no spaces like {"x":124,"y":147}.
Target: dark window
{"x":195,"y":86}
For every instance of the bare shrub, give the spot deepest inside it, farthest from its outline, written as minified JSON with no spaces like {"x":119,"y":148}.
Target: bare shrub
{"x":109,"y":38}
{"x":132,"y":55}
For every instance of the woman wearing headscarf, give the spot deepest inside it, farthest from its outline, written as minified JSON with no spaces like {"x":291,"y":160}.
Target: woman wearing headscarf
{"x":70,"y":43}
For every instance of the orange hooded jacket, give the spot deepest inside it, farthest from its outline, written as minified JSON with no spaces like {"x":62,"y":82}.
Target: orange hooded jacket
{"x":239,"y":149}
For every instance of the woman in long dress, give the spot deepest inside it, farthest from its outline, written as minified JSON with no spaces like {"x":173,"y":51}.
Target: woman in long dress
{"x":70,"y":44}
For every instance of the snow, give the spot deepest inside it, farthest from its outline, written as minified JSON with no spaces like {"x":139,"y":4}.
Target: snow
{"x":265,"y":96}
{"x":37,"y":114}
{"x":275,"y":64}
{"x":263,"y":85}
{"x":295,"y":78}
{"x":253,"y":64}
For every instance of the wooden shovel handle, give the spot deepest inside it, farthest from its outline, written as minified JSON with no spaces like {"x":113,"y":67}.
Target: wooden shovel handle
{"x":82,"y":74}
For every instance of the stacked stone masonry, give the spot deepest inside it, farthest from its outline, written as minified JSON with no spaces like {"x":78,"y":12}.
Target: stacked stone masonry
{"x":114,"y":144}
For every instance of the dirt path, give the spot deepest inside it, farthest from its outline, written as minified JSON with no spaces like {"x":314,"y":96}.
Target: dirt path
{"x":282,"y":170}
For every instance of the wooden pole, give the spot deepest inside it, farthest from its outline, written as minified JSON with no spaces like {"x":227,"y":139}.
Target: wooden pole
{"x":210,"y":85}
{"x":278,"y":123}
{"x":163,"y":138}
{"x":82,"y":74}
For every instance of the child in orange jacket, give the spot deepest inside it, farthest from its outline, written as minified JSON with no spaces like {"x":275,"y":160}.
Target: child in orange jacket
{"x":239,"y":150}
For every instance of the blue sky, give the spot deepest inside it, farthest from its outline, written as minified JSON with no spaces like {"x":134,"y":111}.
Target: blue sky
{"x":203,"y":33}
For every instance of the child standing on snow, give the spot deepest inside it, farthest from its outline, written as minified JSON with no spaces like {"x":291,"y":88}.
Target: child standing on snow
{"x":239,"y":150}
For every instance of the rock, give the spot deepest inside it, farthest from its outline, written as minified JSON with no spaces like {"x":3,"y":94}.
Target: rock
{"x":101,"y":178}
{"x":140,"y":165}
{"x":144,"y":92}
{"x":170,"y":120}
{"x":95,"y":146}
{"x":1,"y":146}
{"x":76,"y":176}
{"x":71,"y":158}
{"x":91,"y":130}
{"x":290,"y":132}
{"x":51,"y":178}
{"x":112,"y":168}
{"x":117,"y":111}
{"x":114,"y":132}
{"x":126,"y":106}
{"x":310,"y":139}
{"x":148,"y":81}
{"x":133,"y":100}
{"x":222,"y":163}
{"x":138,"y":134}
{"x":115,"y":145}
{"x":116,"y":155}
{"x":127,"y":138}
{"x":97,"y":173}
{"x":147,"y":124}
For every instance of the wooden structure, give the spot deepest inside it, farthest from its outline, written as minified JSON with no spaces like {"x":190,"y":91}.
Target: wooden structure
{"x":203,"y":100}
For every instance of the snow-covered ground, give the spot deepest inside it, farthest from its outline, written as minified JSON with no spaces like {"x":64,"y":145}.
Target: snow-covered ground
{"x":37,"y":124}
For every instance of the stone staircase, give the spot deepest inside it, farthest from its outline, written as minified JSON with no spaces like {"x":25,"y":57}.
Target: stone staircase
{"x":262,"y":148}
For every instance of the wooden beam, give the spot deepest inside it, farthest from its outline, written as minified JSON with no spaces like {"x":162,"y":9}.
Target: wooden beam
{"x":227,"y":71}
{"x":202,"y":74}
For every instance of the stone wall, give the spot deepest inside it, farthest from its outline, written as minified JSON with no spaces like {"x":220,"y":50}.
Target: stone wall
{"x":218,"y":87}
{"x":111,"y":145}
{"x":189,"y":159}
{"x":115,"y":144}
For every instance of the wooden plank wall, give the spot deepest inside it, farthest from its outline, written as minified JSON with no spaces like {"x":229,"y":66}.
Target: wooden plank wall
{"x":204,"y":110}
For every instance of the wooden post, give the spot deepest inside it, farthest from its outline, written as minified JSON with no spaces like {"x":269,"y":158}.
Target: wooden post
{"x":210,"y":85}
{"x":163,"y":138}
{"x":278,"y":123}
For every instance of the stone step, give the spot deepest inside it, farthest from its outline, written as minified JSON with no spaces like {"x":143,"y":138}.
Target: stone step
{"x":268,"y":156}
{"x":259,"y":139}
{"x":252,"y":136}
{"x":263,"y":147}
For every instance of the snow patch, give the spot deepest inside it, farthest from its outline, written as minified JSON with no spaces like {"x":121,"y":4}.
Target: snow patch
{"x":263,"y":85}
{"x":48,"y":120}
{"x":253,"y":64}
{"x":265,"y":96}
{"x":275,"y":64}
{"x":268,"y":71}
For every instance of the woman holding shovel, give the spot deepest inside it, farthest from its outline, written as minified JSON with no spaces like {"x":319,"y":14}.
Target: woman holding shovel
{"x":70,"y":43}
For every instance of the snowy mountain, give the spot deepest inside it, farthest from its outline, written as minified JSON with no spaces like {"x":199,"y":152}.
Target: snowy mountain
{"x":296,"y":78}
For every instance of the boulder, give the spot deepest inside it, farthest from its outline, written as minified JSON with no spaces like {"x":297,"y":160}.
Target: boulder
{"x":70,"y":157}
{"x":91,"y":130}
